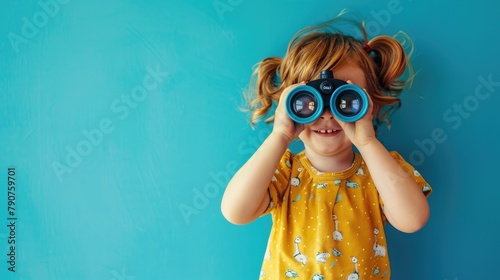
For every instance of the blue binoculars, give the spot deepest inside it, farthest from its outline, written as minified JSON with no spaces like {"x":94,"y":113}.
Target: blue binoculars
{"x":347,"y":102}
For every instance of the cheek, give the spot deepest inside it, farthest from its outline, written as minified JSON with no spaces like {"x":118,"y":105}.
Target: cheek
{"x":306,"y":133}
{"x":302,"y":135}
{"x":307,"y":129}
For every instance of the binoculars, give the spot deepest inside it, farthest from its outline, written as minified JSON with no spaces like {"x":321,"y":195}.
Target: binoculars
{"x":347,"y":102}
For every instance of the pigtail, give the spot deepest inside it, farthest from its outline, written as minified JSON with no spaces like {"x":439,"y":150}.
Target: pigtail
{"x":264,"y":89}
{"x":392,"y":62}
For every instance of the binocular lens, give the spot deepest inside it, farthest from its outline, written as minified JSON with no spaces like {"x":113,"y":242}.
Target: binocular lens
{"x":349,"y":103}
{"x":304,"y":104}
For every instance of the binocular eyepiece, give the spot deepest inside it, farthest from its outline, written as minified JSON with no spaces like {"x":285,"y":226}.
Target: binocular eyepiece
{"x":347,"y":102}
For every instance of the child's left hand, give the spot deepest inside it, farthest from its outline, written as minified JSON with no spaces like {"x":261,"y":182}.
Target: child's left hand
{"x":362,"y":131}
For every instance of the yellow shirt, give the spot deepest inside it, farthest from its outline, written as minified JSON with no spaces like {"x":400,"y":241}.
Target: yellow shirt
{"x":327,"y":225}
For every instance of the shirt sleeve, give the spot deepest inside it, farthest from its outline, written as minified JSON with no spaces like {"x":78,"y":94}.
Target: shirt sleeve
{"x":280,"y":182}
{"x":417,"y":177}
{"x":426,"y":188}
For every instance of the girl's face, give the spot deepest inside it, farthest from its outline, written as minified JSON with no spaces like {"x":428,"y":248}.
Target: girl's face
{"x":325,"y":137}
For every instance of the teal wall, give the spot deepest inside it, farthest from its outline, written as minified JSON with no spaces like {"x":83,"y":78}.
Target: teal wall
{"x":121,"y":121}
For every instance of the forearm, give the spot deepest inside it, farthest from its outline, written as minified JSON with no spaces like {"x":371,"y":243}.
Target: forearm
{"x":246,"y":193}
{"x":405,"y":205}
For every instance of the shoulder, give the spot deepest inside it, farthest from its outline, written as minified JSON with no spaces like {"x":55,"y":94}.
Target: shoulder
{"x":399,"y":158}
{"x":410,"y":169}
{"x":288,"y":158}
{"x":396,"y":155}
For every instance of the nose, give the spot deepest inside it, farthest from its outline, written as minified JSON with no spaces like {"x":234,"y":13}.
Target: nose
{"x":327,"y":114}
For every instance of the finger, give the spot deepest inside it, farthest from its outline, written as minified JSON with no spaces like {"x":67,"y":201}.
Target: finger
{"x":369,"y":97}
{"x":299,"y":128}
{"x":340,"y":122}
{"x":371,"y":104}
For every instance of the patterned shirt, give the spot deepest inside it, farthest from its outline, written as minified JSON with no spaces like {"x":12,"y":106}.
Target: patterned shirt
{"x":327,"y":225}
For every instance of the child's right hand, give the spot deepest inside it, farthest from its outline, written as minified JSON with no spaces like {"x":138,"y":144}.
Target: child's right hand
{"x":283,"y":125}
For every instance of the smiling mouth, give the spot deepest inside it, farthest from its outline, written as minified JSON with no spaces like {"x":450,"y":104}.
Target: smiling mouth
{"x":326,"y":131}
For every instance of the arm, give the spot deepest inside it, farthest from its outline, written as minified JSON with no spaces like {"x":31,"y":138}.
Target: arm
{"x":246,"y":196}
{"x":405,"y":205}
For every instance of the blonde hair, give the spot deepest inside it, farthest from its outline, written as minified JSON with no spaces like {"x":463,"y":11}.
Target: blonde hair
{"x":321,"y":47}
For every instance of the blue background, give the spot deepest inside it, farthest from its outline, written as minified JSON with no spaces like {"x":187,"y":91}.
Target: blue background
{"x":122,"y":121}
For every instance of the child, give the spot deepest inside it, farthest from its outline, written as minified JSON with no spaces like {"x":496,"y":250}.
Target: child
{"x":329,"y":203}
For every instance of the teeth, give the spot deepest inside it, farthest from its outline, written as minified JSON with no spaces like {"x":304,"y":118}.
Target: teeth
{"x":326,"y":131}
